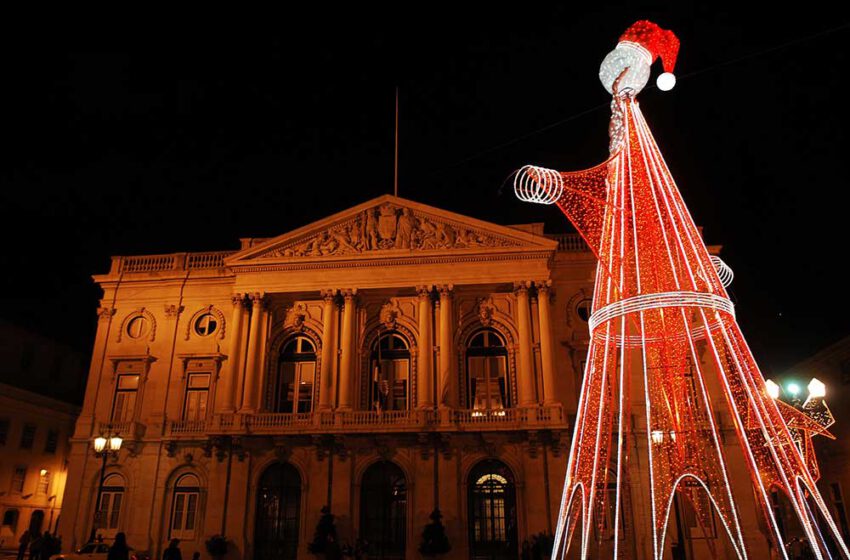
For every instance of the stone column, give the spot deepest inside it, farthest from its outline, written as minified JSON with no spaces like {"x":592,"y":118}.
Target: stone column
{"x":252,"y":369}
{"x":445,"y":379}
{"x":425,"y":370}
{"x":328,"y":349}
{"x":346,"y":362}
{"x":234,"y":360}
{"x":526,"y":367}
{"x":546,"y":349}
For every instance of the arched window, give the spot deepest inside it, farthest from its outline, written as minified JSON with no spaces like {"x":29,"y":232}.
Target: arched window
{"x":492,"y":511}
{"x":487,"y":371}
{"x":109,"y":509}
{"x":390,"y":367}
{"x":383,"y":510}
{"x":278,"y":512}
{"x":184,"y":507}
{"x":10,"y":519}
{"x":293,"y":391}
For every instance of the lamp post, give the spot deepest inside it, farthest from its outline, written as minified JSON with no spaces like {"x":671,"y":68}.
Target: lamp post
{"x":104,"y":447}
{"x":805,"y":418}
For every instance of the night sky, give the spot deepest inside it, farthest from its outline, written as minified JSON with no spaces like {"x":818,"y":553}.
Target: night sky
{"x":187,"y":137}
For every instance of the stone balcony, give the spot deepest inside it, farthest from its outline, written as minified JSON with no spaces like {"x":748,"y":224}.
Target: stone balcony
{"x":368,"y":421}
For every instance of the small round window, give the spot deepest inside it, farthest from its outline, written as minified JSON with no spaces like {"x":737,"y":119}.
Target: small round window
{"x":206,"y":324}
{"x":583,"y":309}
{"x":137,"y":327}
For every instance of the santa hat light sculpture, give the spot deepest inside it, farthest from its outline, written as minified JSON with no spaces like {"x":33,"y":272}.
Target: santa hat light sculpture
{"x":666,"y":359}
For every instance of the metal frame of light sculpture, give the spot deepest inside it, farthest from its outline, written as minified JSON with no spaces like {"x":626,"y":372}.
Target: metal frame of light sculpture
{"x":660,"y":304}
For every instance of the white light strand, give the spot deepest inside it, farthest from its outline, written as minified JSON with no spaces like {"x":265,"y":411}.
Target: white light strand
{"x":657,"y":301}
{"x":723,"y":271}
{"x":538,"y":185}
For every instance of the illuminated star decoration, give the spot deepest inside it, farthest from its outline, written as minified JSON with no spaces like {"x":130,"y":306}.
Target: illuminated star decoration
{"x":663,"y":334}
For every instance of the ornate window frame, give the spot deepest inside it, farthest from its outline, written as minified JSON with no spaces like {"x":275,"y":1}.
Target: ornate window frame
{"x":212,"y":310}
{"x":140,"y":312}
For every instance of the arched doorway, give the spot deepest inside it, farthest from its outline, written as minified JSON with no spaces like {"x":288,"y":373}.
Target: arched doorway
{"x":383,"y":510}
{"x":278,"y":511}
{"x":492,"y":512}
{"x":36,"y":522}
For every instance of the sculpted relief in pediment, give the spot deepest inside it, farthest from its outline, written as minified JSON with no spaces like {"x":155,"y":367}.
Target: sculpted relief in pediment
{"x":387,"y":227}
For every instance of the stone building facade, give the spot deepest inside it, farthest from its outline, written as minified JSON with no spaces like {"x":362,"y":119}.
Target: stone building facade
{"x":385,"y":361}
{"x":34,"y":449}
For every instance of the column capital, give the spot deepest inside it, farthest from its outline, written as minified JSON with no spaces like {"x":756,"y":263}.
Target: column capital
{"x":237,"y":299}
{"x":424,"y":291}
{"x":521,"y":287}
{"x":445,"y":290}
{"x":543,"y":285}
{"x":348,"y":293}
{"x":329,"y":295}
{"x":258,"y":300}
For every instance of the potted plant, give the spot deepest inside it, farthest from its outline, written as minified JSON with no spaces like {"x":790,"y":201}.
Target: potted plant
{"x":325,"y":533}
{"x":434,"y":539}
{"x":217,"y":546}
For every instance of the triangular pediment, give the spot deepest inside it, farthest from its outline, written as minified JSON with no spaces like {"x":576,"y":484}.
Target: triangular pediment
{"x":389,"y":226}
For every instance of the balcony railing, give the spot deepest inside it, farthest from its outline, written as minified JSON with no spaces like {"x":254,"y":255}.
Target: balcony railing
{"x":172,"y":262}
{"x":372,"y":421}
{"x":127,"y":429}
{"x":569,"y":242}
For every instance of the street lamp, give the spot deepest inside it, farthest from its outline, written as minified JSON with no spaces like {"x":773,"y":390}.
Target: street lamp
{"x":104,"y":447}
{"x":804,"y":418}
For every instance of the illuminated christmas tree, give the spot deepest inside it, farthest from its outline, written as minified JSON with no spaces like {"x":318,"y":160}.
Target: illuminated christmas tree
{"x":666,"y":354}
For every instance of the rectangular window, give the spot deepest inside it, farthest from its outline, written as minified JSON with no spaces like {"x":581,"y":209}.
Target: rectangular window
{"x":183,"y":515}
{"x":28,"y":436}
{"x":124,"y":406}
{"x":18,"y":479}
{"x":197,"y":396}
{"x":487,"y":382}
{"x":297,"y":386}
{"x":110,"y":509}
{"x":4,"y":430}
{"x":52,"y":441}
{"x":44,"y":483}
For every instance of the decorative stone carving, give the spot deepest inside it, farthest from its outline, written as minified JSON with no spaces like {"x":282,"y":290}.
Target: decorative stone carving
{"x":219,"y":316}
{"x":384,"y":228}
{"x":105,"y":313}
{"x":140,"y":312}
{"x":295,"y":317}
{"x":486,"y":310}
{"x":173,"y":310}
{"x":390,"y":313}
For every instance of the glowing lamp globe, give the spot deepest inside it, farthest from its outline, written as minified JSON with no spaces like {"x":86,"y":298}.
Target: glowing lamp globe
{"x":631,"y":58}
{"x":793,"y":388}
{"x":666,"y":81}
{"x":99,"y":444}
{"x":817,"y":390}
{"x":772,"y":388}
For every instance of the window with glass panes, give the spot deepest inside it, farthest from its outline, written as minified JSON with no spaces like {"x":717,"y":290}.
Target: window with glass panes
{"x":44,"y":483}
{"x":28,"y":436}
{"x":51,"y":442}
{"x":126,"y":390}
{"x":487,"y":372}
{"x":19,"y":476}
{"x":184,"y":510}
{"x":197,"y":395}
{"x":390,"y":368}
{"x":293,"y":391}
{"x":111,"y":498}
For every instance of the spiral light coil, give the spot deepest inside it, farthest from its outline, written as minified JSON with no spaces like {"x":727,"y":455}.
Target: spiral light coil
{"x":538,"y":184}
{"x":723,"y":271}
